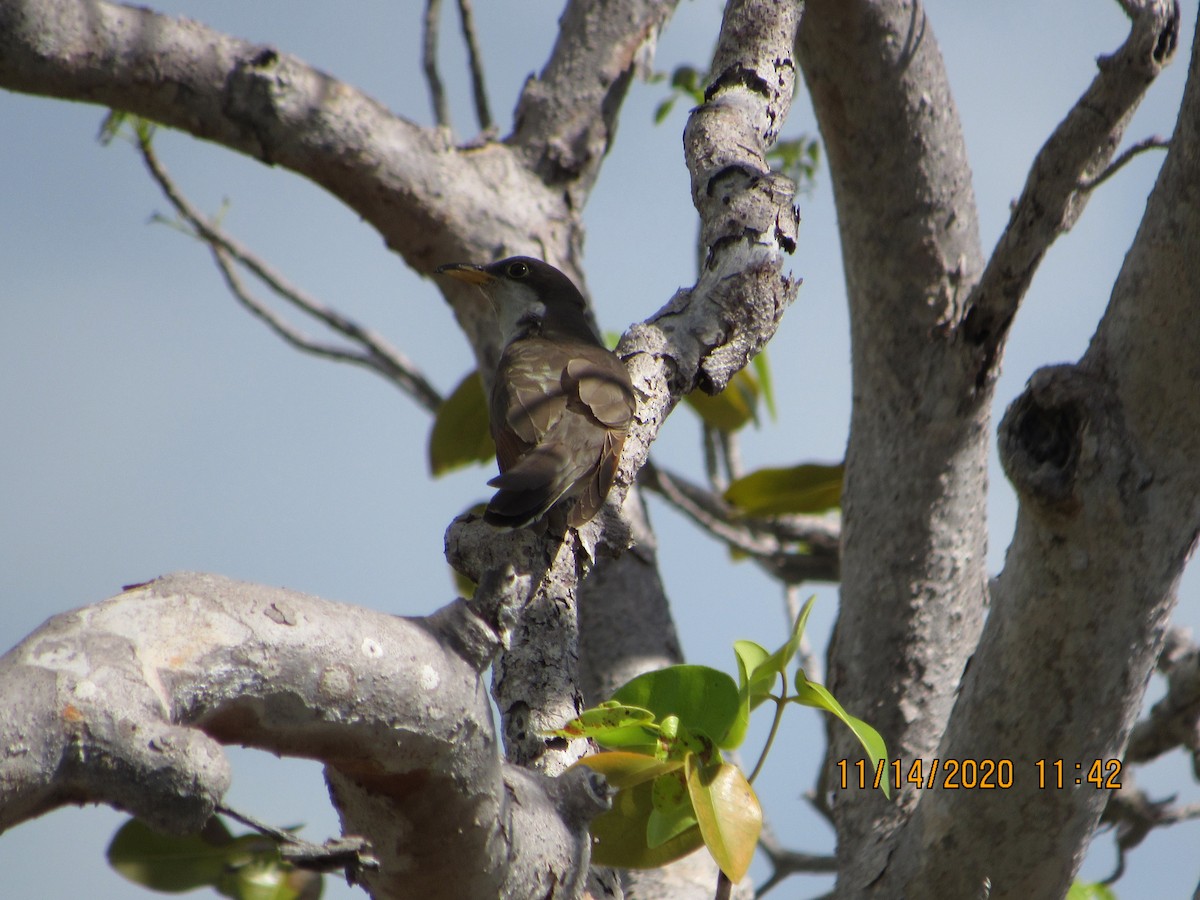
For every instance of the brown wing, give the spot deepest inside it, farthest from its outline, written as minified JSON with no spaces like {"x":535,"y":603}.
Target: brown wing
{"x":527,"y":400}
{"x":560,"y":412}
{"x":600,"y":384}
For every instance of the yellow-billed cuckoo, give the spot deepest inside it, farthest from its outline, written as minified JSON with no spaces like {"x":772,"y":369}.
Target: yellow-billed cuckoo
{"x":561,"y":403}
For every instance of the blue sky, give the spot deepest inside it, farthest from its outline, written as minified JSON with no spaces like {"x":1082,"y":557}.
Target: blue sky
{"x":151,"y":425}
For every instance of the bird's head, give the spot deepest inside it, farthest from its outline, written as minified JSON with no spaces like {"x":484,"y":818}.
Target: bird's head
{"x":528,"y":297}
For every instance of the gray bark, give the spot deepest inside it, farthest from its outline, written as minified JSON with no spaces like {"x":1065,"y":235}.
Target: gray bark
{"x":434,"y":202}
{"x":127,"y":702}
{"x":928,"y":328}
{"x":1102,"y":454}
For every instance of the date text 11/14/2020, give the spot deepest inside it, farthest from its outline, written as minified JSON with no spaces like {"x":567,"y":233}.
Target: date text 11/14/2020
{"x":979,"y":774}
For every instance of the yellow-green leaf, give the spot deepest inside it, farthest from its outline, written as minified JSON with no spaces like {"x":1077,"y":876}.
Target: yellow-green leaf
{"x":594,"y":722}
{"x":728,"y":812}
{"x":170,"y":863}
{"x":672,"y":814}
{"x":809,"y":693}
{"x":1081,"y":890}
{"x":807,"y":488}
{"x":619,"y":835}
{"x":270,"y":879}
{"x":731,"y":409}
{"x":622,"y":769}
{"x":460,"y":434}
{"x":762,"y":369}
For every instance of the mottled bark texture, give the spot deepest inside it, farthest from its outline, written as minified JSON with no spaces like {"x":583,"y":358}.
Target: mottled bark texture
{"x":127,"y":703}
{"x":1054,"y":675}
{"x":1102,"y":454}
{"x":434,"y":202}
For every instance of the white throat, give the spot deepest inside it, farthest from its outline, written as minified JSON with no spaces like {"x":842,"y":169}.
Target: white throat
{"x":517,"y":307}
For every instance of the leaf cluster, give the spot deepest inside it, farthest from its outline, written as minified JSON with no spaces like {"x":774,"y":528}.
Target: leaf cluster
{"x":664,"y":732}
{"x":248,"y":867}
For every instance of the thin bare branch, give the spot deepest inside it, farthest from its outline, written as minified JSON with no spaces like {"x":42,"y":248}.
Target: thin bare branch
{"x":712,"y":461}
{"x":373,"y":351}
{"x":1174,"y":720}
{"x":475,"y":60}
{"x":1058,"y":185}
{"x":1135,"y":815}
{"x":1154,"y":142}
{"x":780,"y":555}
{"x":785,"y":863}
{"x":350,"y":854}
{"x":731,"y":454}
{"x":429,"y":41}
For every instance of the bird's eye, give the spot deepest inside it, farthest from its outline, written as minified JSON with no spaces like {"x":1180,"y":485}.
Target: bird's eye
{"x":518,"y":270}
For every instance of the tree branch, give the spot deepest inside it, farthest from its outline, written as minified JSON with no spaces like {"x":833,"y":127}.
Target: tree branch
{"x":773,"y":545}
{"x":914,"y":532}
{"x":1175,"y":719}
{"x":376,"y":353}
{"x":785,"y":863}
{"x":406,"y":181}
{"x":475,"y":59}
{"x":1153,"y":142}
{"x":125,"y":702}
{"x":565,"y":118}
{"x":1067,"y":167}
{"x":429,"y":41}
{"x":1135,"y":815}
{"x":1078,"y":619}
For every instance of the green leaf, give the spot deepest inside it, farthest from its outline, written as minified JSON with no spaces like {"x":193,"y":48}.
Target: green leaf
{"x":596,"y":722}
{"x":111,"y":126}
{"x":755,"y":680}
{"x":809,"y":693}
{"x":460,"y":434}
{"x":643,"y":739}
{"x":462,"y":584}
{"x":170,"y":863}
{"x":728,"y":813}
{"x":690,"y":81}
{"x":1090,"y":891}
{"x":673,"y":813}
{"x":624,"y":770}
{"x":704,"y":699}
{"x":798,"y":159}
{"x":762,"y":370}
{"x":264,"y":878}
{"x":619,"y":835}
{"x":807,"y":488}
{"x":731,"y":409}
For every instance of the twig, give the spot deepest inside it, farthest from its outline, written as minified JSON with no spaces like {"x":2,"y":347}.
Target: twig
{"x":785,"y":863}
{"x":1135,"y":815}
{"x":429,"y":40}
{"x":798,"y":549}
{"x":1173,"y":720}
{"x":1054,"y":195}
{"x":712,"y":458}
{"x":1154,"y":142}
{"x":475,"y":59}
{"x":731,"y":454}
{"x":374,"y":352}
{"x":351,"y":854}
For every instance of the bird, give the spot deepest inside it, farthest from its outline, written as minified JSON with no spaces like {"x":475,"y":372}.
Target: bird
{"x":561,"y":402}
